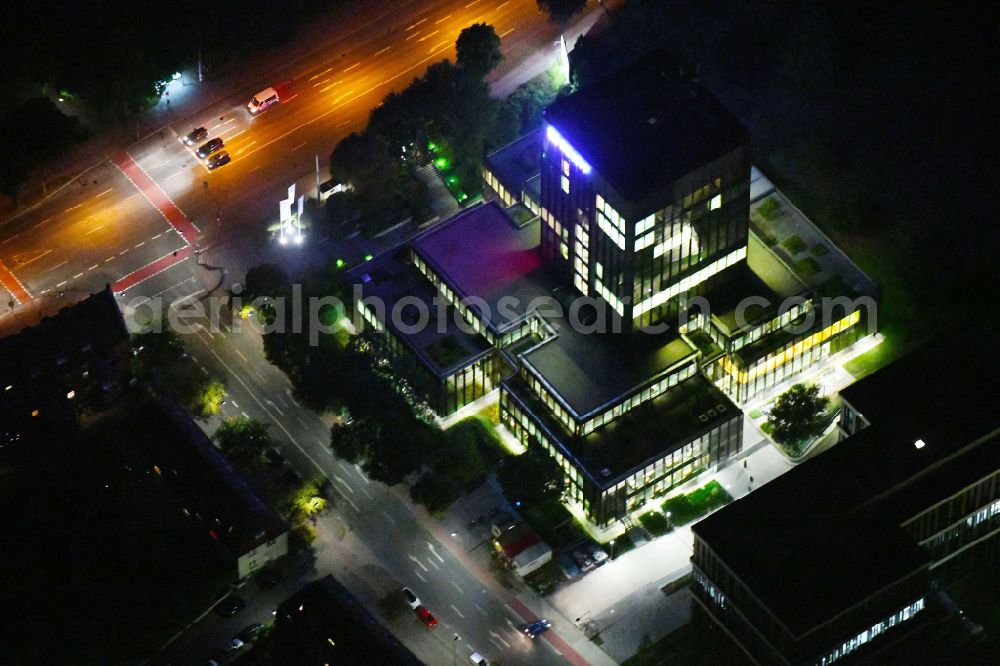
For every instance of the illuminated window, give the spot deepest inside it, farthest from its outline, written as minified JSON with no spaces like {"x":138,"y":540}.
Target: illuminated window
{"x":716,"y":202}
{"x":564,"y":183}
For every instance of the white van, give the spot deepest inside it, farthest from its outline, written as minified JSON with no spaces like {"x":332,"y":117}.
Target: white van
{"x":262,"y":100}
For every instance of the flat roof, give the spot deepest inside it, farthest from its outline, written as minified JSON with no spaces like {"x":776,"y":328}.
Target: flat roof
{"x":441,"y":344}
{"x":590,"y":370}
{"x":517,"y":162}
{"x":482,"y":254}
{"x":830,"y":526}
{"x":670,"y":125}
{"x":324,"y":623}
{"x":647,"y":432}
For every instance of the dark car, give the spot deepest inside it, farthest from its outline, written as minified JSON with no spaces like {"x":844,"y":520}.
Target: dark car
{"x":268,"y":578}
{"x":537,"y":627}
{"x":217,"y":160}
{"x":194,"y":136}
{"x":250,"y":632}
{"x":210,"y":147}
{"x":230,"y":606}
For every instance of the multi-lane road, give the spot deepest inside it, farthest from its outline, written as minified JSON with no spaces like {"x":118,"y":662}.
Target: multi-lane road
{"x":154,"y":222}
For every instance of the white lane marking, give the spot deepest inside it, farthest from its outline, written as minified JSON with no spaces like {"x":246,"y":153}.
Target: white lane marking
{"x":245,"y":147}
{"x":353,"y":66}
{"x":299,"y":419}
{"x":457,"y":611}
{"x":388,"y":517}
{"x":277,"y":422}
{"x":346,"y":484}
{"x":78,"y":275}
{"x":316,"y":76}
{"x":431,"y":562}
{"x":10,"y":239}
{"x":499,"y":638}
{"x":93,"y":267}
{"x":361,"y":473}
{"x":95,"y":229}
{"x":43,"y":222}
{"x":123,"y":252}
{"x":55,"y":267}
{"x":270,"y":402}
{"x":418,"y":563}
{"x":298,"y":146}
{"x":480,"y":610}
{"x":234,"y":404}
{"x":419,"y":576}
{"x":240,"y":354}
{"x":506,"y":33}
{"x":71,"y":208}
{"x":346,"y":122}
{"x":415,"y":24}
{"x":110,"y":189}
{"x":140,"y":244}
{"x":442,"y":20}
{"x":109,"y":259}
{"x":474,"y":2}
{"x":380,"y":52}
{"x":344,"y":467}
{"x":35,"y":259}
{"x":156,"y":236}
{"x":460,"y":591}
{"x":61,"y":284}
{"x":173,"y":175}
{"x":367,"y":494}
{"x":430,"y":547}
{"x":428,"y":35}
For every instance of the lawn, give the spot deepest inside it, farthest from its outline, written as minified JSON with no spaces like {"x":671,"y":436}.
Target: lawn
{"x":557,"y":526}
{"x":687,"y":508}
{"x":472,"y":448}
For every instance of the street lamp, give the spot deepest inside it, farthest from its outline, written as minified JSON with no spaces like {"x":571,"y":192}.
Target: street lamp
{"x":454,"y":655}
{"x":612,"y":549}
{"x":668,"y":520}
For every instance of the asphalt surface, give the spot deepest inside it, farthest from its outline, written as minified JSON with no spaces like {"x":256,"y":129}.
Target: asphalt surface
{"x":159,"y":226}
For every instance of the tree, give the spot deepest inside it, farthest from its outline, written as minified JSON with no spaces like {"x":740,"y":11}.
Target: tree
{"x":531,"y":478}
{"x":478,"y":50}
{"x":211,"y":397}
{"x":798,"y":415}
{"x":160,"y":358}
{"x":434,"y":491}
{"x":243,"y":441}
{"x":560,"y":11}
{"x":353,"y":441}
{"x":304,"y":502}
{"x":265,"y":280}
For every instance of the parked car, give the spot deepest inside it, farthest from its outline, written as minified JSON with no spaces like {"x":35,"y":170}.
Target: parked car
{"x":597,"y":554}
{"x":230,"y":606}
{"x":426,"y":617}
{"x":583,"y":560}
{"x":537,"y":627}
{"x":230,"y":647}
{"x":478,"y":659}
{"x":250,"y":632}
{"x":411,"y":599}
{"x":209,"y":147}
{"x":217,"y":160}
{"x":268,"y":578}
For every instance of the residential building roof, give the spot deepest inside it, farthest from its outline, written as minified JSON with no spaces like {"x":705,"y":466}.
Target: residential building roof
{"x":323,"y":623}
{"x":645,"y":126}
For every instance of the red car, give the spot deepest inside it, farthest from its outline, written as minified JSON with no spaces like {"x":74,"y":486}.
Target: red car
{"x":426,"y":617}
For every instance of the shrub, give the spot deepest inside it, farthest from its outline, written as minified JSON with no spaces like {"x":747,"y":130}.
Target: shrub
{"x":807,"y":268}
{"x":654,"y":522}
{"x":794,"y":244}
{"x":769,"y":208}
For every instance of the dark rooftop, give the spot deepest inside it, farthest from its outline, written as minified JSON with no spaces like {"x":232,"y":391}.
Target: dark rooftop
{"x":647,"y":432}
{"x":323,"y":623}
{"x":389,"y":278}
{"x":589,"y":370}
{"x":670,"y":125}
{"x":517,"y":162}
{"x":830,"y":526}
{"x":481,"y":253}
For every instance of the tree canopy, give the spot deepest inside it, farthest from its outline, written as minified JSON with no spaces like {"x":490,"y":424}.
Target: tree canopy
{"x":561,"y":11}
{"x":244,"y":441}
{"x":478,"y":49}
{"x":798,"y":414}
{"x":531,"y":478}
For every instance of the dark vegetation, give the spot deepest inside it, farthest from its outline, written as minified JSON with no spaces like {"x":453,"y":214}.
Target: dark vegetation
{"x":32,"y":133}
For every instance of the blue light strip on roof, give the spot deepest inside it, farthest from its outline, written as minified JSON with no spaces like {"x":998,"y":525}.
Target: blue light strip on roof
{"x":553,"y":135}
